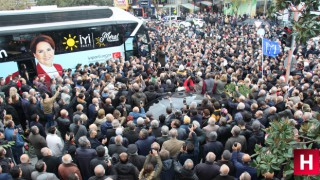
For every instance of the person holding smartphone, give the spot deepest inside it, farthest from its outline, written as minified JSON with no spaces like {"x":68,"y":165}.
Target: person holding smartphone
{"x":148,"y":171}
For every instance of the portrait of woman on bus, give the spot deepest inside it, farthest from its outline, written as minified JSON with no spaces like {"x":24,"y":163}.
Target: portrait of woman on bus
{"x":43,"y":47}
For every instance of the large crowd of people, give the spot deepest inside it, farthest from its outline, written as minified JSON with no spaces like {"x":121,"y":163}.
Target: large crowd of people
{"x":93,"y":123}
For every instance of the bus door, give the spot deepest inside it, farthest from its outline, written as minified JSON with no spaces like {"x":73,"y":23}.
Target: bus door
{"x":130,"y":47}
{"x":30,"y":66}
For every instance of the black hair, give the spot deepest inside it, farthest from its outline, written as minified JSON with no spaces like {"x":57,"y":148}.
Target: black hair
{"x":162,"y":118}
{"x":40,"y":166}
{"x":52,"y":129}
{"x":15,"y":172}
{"x":100,"y":151}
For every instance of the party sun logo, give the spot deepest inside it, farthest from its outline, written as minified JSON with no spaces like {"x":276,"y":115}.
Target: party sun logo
{"x":99,"y":43}
{"x":70,"y":42}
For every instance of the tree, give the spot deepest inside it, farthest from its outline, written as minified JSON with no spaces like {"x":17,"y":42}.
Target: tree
{"x":13,"y":4}
{"x":308,"y":25}
{"x":65,"y":3}
{"x":277,"y":155}
{"x":235,"y":6}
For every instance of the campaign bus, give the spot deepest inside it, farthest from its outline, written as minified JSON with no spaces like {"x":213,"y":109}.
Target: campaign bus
{"x":50,"y":40}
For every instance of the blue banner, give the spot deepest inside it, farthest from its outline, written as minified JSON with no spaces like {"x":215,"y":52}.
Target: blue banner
{"x":270,"y":48}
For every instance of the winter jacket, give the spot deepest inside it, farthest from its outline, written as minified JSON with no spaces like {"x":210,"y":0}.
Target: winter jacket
{"x":126,"y":171}
{"x":155,"y":175}
{"x":144,"y":145}
{"x":206,"y":171}
{"x":136,"y":115}
{"x":167,"y":172}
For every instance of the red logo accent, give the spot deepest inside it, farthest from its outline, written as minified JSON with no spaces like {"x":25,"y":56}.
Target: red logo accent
{"x":306,"y":162}
{"x":116,"y":55}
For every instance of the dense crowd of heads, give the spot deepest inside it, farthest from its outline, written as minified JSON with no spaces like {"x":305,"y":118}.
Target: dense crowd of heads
{"x":93,"y":122}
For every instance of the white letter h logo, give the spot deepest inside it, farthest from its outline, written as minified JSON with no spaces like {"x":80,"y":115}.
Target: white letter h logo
{"x":303,"y":162}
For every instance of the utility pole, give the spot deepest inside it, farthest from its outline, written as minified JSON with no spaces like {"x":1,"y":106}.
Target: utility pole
{"x":170,"y":16}
{"x":296,"y":10}
{"x":264,"y":8}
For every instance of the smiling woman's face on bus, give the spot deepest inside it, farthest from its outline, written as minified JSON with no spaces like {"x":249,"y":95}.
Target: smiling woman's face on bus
{"x":44,"y":53}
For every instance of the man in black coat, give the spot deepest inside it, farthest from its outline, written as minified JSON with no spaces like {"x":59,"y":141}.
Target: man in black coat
{"x":224,"y":170}
{"x":26,"y":167}
{"x":207,"y":170}
{"x":99,"y":173}
{"x":224,"y":131}
{"x":213,"y":145}
{"x":185,"y":172}
{"x":124,"y":169}
{"x":130,"y":133}
{"x":134,"y":158}
{"x":100,"y":159}
{"x":108,"y":108}
{"x":84,"y":155}
{"x":52,"y":162}
{"x":151,"y":93}
{"x":226,"y":160}
{"x":34,"y":121}
{"x":257,"y":137}
{"x":117,"y":147}
{"x":155,"y":130}
{"x":34,"y":108}
{"x":164,"y":137}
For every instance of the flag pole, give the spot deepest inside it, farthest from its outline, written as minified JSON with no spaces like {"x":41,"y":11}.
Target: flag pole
{"x":262,"y":60}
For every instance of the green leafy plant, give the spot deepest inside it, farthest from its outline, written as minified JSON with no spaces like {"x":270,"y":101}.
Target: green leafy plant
{"x":277,"y":155}
{"x":230,"y":89}
{"x":308,"y":25}
{"x":8,"y":144}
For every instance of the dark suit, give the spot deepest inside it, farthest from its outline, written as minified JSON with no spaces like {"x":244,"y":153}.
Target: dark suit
{"x":227,"y":177}
{"x":35,"y":109}
{"x":206,"y":171}
{"x":113,"y":148}
{"x":156,"y":132}
{"x":144,"y":145}
{"x":137,"y":160}
{"x":38,"y":142}
{"x":25,"y":106}
{"x":84,"y":156}
{"x":42,"y":131}
{"x":52,"y":163}
{"x":99,"y":160}
{"x":108,"y":109}
{"x":232,"y":170}
{"x":162,"y":139}
{"x":131,"y":135}
{"x":110,"y":133}
{"x":213,"y":146}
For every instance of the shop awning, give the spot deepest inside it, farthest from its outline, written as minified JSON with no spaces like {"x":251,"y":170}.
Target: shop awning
{"x":218,"y":2}
{"x":170,"y":6}
{"x":190,"y":6}
{"x":206,"y":3}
